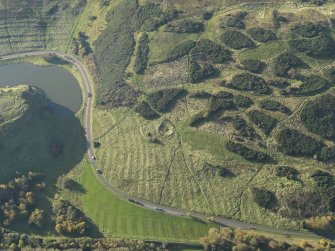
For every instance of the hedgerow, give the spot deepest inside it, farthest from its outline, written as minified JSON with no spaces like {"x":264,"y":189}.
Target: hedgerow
{"x":161,"y":100}
{"x":253,"y":65}
{"x":275,"y":106}
{"x":236,"y":40}
{"x":185,"y":26}
{"x":309,"y":29}
{"x":321,"y":46}
{"x":295,"y":143}
{"x":262,"y":120}
{"x":311,"y":84}
{"x":145,"y":110}
{"x":207,"y":50}
{"x":319,"y":115}
{"x":199,"y":72}
{"x":141,"y":57}
{"x":261,"y":35}
{"x":245,"y":152}
{"x":180,"y":50}
{"x":286,"y":61}
{"x":249,"y":82}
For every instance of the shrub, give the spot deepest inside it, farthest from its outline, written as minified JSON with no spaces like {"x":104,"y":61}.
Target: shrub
{"x":321,"y":46}
{"x":315,"y":2}
{"x":294,"y":143}
{"x":198,"y":119}
{"x":201,"y":95}
{"x":180,"y":50}
{"x":161,"y":100}
{"x":264,"y":198}
{"x":327,"y":154}
{"x":246,"y":152}
{"x":199,"y":72}
{"x":309,"y":29}
{"x":141,"y":57}
{"x":253,"y":65}
{"x":185,"y":26}
{"x":275,"y":106}
{"x":37,"y":218}
{"x":236,"y":40}
{"x":207,"y":50}
{"x":286,"y":61}
{"x":330,"y":74}
{"x":53,"y":59}
{"x":222,"y":100}
{"x":242,"y":101}
{"x":286,"y":171}
{"x":146,"y":111}
{"x":207,"y":15}
{"x":261,"y":35}
{"x":279,"y":83}
{"x":265,"y":122}
{"x":319,"y":115}
{"x":236,"y":20}
{"x":249,"y":82}
{"x":311,"y":84}
{"x":242,"y":127}
{"x":322,"y":179}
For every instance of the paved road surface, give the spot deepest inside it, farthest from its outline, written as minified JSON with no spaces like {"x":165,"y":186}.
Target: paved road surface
{"x":140,"y":202}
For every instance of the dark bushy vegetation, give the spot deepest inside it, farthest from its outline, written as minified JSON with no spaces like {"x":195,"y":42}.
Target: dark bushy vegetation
{"x":320,"y":47}
{"x":243,"y":128}
{"x":53,"y":59}
{"x":264,"y":198}
{"x":315,"y":2}
{"x":180,"y":50}
{"x":141,"y":57}
{"x":216,"y":170}
{"x":294,"y":143}
{"x":288,"y":172}
{"x":242,"y":101}
{"x":201,"y":95}
{"x":323,"y":179}
{"x":253,"y":65}
{"x":236,"y":40}
{"x":309,"y":29}
{"x":246,"y":152}
{"x":279,"y":83}
{"x":115,"y":46}
{"x":249,"y":82}
{"x":185,"y":26}
{"x":312,"y":84}
{"x":222,"y":100}
{"x":236,"y":20}
{"x":286,"y":61}
{"x":319,"y":116}
{"x":161,"y":100}
{"x":327,"y":154}
{"x":81,"y":46}
{"x":274,"y":106}
{"x":199,"y":72}
{"x":261,"y":35}
{"x":207,"y":50}
{"x":265,"y":122}
{"x":330,"y":75}
{"x":145,"y":111}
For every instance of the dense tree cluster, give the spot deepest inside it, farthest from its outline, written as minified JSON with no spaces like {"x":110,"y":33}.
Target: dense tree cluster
{"x":69,"y":220}
{"x":81,"y":46}
{"x":323,"y":179}
{"x":53,"y":59}
{"x":207,"y":50}
{"x":242,"y":101}
{"x":319,"y":116}
{"x":236,"y":40}
{"x":262,"y":120}
{"x":275,"y":106}
{"x":327,"y":154}
{"x":261,"y":35}
{"x":286,"y":61}
{"x":199,"y":72}
{"x":36,"y":218}
{"x":141,"y":57}
{"x":161,"y":100}
{"x":144,"y":109}
{"x":185,"y":26}
{"x":246,"y":152}
{"x":309,"y":29}
{"x":311,"y":84}
{"x":264,"y":198}
{"x":253,"y":65}
{"x":236,"y":20}
{"x":320,"y":46}
{"x":288,"y":172}
{"x":243,"y":128}
{"x":222,"y":100}
{"x":180,"y":50}
{"x":292,"y":142}
{"x":249,"y":82}
{"x":17,"y":198}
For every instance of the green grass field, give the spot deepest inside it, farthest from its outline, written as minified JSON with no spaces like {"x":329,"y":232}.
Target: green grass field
{"x":120,"y":218}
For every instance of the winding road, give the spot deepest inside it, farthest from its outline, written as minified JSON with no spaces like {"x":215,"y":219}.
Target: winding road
{"x":140,"y":202}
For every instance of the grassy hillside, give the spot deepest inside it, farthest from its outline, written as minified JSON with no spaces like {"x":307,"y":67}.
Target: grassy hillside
{"x":209,"y":106}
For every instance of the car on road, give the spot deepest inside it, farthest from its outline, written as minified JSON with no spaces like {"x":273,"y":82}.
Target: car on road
{"x":89,"y":95}
{"x":159,"y":209}
{"x":93,"y":157}
{"x":132,"y":200}
{"x":98,"y":171}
